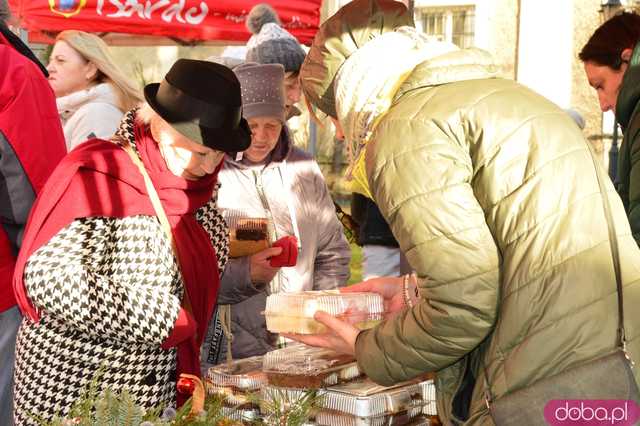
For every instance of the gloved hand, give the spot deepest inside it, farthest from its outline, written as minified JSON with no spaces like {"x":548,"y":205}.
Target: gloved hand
{"x":289,"y":254}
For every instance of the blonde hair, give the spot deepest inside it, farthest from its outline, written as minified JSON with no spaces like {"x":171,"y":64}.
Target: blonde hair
{"x":96,"y":51}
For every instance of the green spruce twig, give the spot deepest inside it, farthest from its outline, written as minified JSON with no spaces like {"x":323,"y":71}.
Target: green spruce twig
{"x":282,"y":408}
{"x":96,"y":407}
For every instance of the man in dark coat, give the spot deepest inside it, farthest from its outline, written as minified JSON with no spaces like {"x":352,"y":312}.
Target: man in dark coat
{"x":31,"y":145}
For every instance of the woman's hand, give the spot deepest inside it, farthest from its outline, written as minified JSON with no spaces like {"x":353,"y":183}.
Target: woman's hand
{"x":390,"y":288}
{"x":341,"y":336}
{"x":260,"y":268}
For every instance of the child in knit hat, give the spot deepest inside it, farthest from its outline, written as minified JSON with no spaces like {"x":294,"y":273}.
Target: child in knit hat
{"x":272,"y":44}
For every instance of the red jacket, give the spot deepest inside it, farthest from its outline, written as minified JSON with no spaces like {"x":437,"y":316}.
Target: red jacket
{"x":31,"y":145}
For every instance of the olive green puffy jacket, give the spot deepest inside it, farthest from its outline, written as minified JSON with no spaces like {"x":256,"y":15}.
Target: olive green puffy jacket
{"x":627,"y":114}
{"x":491,"y":191}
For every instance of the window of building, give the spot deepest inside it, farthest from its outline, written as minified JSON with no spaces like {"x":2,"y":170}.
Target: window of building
{"x":455,"y":24}
{"x":434,"y":24}
{"x":462,"y":32}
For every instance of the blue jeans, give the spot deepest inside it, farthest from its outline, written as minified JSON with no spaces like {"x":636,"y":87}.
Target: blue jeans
{"x":9,"y":323}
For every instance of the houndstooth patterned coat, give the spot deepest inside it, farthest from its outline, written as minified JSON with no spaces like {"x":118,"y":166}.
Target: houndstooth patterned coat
{"x":109,"y":292}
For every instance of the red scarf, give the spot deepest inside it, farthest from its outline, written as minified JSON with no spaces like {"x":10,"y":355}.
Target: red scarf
{"x":99,"y":179}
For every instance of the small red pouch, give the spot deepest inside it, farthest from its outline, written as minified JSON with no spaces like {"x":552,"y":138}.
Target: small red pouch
{"x":289,"y":254}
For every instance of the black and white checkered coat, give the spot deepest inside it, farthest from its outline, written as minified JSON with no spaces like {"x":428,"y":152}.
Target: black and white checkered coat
{"x":109,"y":292}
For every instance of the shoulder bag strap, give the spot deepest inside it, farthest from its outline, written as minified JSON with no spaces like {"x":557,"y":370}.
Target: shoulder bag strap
{"x":615,"y":255}
{"x":160,"y":213}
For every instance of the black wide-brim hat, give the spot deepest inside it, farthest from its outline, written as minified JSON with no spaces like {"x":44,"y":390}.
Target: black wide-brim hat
{"x":202,"y":101}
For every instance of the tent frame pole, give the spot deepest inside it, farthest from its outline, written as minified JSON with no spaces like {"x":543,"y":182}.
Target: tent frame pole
{"x":24,"y":35}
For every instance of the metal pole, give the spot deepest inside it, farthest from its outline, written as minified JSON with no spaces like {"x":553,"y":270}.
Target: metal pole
{"x":613,"y":154}
{"x":516,"y":55}
{"x":313,"y":137}
{"x":608,"y":9}
{"x":410,"y":6}
{"x":24,"y":36}
{"x":336,"y":160}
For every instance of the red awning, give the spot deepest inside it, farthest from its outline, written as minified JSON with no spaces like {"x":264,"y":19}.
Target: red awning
{"x":184,"y":20}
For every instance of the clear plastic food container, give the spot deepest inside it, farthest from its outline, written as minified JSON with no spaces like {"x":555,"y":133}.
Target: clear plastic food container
{"x":237,"y":380}
{"x":364,"y":398}
{"x":411,"y":417}
{"x":247,"y":416}
{"x":429,"y":398}
{"x":293,"y":312}
{"x":306,"y":367}
{"x":247,"y":235}
{"x":290,"y":395}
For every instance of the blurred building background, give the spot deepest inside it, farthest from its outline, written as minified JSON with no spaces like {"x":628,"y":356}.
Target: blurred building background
{"x":535,"y":42}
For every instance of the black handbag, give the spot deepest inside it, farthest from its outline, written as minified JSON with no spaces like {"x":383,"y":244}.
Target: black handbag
{"x":604,"y":378}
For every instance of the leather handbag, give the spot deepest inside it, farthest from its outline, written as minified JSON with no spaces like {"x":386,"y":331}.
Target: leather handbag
{"x":606,"y":377}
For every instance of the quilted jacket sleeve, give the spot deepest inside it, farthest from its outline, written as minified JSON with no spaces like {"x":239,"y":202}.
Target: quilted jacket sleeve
{"x":235,"y":283}
{"x":105,"y":277}
{"x":423,"y":188}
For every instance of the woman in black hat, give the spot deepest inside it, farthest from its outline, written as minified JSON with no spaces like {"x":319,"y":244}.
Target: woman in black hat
{"x":120,"y":263}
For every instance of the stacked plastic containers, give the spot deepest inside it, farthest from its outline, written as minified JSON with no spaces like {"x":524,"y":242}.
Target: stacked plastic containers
{"x":297,"y":368}
{"x":240,"y":383}
{"x":293,"y":312}
{"x":364,"y":402}
{"x":345,"y":396}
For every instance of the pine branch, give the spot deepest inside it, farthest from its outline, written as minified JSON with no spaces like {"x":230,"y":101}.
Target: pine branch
{"x":130,"y":414}
{"x":283,"y":409}
{"x":108,"y":408}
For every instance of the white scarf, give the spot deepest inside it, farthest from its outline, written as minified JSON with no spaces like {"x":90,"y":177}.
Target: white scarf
{"x":67,"y":105}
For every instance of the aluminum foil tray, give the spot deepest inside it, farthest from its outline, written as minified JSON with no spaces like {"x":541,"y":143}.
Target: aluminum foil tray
{"x":335,"y":418}
{"x":243,"y":415}
{"x":364,"y":398}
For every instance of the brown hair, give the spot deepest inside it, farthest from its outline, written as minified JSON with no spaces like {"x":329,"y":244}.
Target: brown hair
{"x":607,"y":42}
